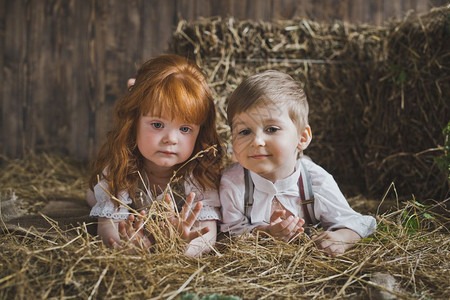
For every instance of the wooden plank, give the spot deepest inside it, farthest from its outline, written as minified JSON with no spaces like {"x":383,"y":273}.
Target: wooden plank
{"x":15,"y":77}
{"x":79,"y":89}
{"x":3,"y":112}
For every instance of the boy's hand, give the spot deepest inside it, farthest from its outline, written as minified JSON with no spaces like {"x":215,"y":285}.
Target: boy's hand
{"x":184,"y":222}
{"x":283,"y":229}
{"x":336,"y":242}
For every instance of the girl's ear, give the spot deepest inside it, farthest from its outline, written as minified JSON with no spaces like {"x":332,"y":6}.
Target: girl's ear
{"x":305,"y":138}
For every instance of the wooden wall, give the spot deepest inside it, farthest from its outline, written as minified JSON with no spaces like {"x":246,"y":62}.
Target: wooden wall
{"x":64,"y":63}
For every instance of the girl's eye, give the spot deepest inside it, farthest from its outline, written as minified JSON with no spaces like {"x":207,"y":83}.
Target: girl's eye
{"x":244,"y":132}
{"x":185,"y":129}
{"x":272,"y":129}
{"x":157,"y":125}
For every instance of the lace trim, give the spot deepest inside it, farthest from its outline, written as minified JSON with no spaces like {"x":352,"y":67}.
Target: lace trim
{"x":116,"y":216}
{"x":209,"y":213}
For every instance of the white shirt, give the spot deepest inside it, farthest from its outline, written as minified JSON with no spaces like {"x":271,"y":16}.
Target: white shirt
{"x":330,"y":205}
{"x":105,"y":206}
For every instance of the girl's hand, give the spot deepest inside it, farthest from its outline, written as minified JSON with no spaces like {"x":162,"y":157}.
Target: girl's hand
{"x":184,"y":222}
{"x":336,"y":242}
{"x":132,"y":231}
{"x":283,"y":229}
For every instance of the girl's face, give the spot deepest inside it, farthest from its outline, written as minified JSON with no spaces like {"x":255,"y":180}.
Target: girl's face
{"x":266,"y":141}
{"x":165,"y":143}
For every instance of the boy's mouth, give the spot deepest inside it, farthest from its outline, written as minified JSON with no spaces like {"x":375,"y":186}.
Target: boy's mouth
{"x":259,"y":156}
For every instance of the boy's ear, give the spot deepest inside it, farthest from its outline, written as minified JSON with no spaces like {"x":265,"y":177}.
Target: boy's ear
{"x":305,"y":138}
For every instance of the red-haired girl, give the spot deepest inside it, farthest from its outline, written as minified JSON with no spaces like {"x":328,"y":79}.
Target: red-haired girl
{"x":165,"y":119}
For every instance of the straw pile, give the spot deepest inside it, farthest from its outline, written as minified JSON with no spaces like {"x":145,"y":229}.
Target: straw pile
{"x":408,"y":257}
{"x":378,"y":95}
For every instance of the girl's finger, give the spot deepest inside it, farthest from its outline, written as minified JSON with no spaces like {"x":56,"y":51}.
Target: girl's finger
{"x":113,"y":244}
{"x":195,"y":234}
{"x":123,"y":230}
{"x":194,"y":215}
{"x":317,"y":238}
{"x":169,"y":202}
{"x":138,"y":225}
{"x":187,"y":206}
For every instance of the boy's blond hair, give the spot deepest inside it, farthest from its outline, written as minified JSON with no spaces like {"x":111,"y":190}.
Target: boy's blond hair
{"x":270,"y":87}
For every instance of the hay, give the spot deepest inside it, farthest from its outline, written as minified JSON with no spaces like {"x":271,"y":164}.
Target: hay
{"x":378,"y":95}
{"x":342,"y":66}
{"x":407,"y":257}
{"x":37,"y":179}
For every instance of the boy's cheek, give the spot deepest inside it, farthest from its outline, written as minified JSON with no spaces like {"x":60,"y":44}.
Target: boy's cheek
{"x":233,"y":158}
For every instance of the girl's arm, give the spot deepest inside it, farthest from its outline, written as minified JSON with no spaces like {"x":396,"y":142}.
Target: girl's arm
{"x":107,"y":229}
{"x":205,"y":242}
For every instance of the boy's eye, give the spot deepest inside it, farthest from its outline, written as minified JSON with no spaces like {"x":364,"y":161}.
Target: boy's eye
{"x":244,"y":132}
{"x":272,"y":129}
{"x":157,"y":125}
{"x":185,"y":129}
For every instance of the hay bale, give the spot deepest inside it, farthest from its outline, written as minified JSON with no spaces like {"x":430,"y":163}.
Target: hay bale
{"x":378,"y":95}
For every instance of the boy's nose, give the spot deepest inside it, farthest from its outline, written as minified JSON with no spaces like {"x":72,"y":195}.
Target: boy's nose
{"x":258,"y":140}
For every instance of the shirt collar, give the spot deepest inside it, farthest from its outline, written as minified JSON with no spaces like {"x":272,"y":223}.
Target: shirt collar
{"x":283,"y":186}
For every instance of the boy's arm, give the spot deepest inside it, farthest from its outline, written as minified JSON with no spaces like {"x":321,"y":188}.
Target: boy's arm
{"x":336,"y":242}
{"x":331,"y":206}
{"x":283,"y":229}
{"x":232,"y":203}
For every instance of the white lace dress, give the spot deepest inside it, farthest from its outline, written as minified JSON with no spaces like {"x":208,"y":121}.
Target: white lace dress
{"x":106,"y":208}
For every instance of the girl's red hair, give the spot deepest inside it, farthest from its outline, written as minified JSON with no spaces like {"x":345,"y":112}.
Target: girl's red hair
{"x":172,"y":86}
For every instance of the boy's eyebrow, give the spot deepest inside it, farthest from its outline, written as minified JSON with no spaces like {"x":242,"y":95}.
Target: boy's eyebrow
{"x":262,"y":119}
{"x":237,"y":122}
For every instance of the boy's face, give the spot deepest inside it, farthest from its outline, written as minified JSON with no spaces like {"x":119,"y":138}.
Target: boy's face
{"x":266,"y":141}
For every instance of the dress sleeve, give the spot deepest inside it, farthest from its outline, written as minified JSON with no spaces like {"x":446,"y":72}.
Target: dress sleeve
{"x":209,"y":199}
{"x":232,"y":189}
{"x":105,"y":206}
{"x":331,"y":207}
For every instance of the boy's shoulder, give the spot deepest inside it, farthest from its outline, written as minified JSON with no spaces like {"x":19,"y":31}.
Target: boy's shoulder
{"x":233,"y":169}
{"x":233,"y":172}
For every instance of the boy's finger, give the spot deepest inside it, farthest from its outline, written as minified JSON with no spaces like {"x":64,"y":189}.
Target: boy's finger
{"x":278,"y":228}
{"x":277,"y":214}
{"x":291,"y":226}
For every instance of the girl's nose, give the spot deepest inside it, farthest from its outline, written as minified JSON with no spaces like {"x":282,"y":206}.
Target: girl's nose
{"x":171,"y":137}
